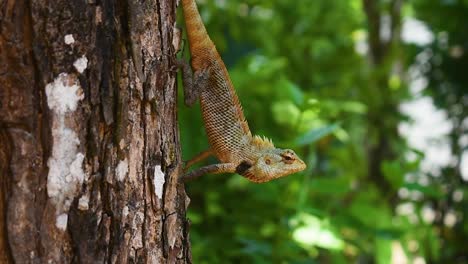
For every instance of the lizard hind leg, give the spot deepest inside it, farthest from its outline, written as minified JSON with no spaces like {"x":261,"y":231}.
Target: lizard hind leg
{"x":199,"y":157}
{"x":194,"y":82}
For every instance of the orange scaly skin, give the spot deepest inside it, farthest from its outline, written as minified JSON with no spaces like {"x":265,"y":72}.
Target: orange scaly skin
{"x":228,"y":133}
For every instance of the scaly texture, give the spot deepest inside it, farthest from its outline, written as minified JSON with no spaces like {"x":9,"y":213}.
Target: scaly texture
{"x":228,"y":132}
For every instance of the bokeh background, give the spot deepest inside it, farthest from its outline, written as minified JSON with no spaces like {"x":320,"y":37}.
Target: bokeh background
{"x":374,"y":96}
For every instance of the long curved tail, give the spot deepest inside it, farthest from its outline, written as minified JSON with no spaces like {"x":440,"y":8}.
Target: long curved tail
{"x":202,"y":48}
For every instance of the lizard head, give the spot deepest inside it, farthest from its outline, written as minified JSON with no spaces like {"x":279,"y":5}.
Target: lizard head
{"x":274,"y":163}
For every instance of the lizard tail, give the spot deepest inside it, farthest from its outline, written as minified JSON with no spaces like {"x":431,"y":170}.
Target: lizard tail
{"x":201,"y":46}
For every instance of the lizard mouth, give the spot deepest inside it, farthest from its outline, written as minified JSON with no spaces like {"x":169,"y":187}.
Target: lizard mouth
{"x":251,"y":177}
{"x":297,"y":166}
{"x":302,"y":166}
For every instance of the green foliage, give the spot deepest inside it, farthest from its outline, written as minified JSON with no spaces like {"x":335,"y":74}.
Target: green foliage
{"x":302,"y":83}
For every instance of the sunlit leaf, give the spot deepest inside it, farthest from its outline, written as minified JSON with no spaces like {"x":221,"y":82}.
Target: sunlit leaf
{"x":353,"y":107}
{"x":394,"y":82}
{"x":312,"y":231}
{"x":384,"y":251}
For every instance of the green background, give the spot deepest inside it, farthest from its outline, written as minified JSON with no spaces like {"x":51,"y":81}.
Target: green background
{"x":316,"y":77}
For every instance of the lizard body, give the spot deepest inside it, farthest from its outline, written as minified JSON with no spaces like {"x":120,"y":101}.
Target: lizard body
{"x":229,"y":136}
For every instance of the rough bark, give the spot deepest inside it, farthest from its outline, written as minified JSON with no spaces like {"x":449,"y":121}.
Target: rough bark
{"x":89,"y":142}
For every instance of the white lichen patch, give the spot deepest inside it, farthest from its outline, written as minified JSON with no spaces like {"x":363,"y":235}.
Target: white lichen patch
{"x":81,"y":64}
{"x":65,"y":168}
{"x":158,"y":181}
{"x":69,"y":39}
{"x":66,"y":163}
{"x":125,"y":212}
{"x":121,"y":170}
{"x":83,"y":203}
{"x":61,"y":222}
{"x":63,"y":94}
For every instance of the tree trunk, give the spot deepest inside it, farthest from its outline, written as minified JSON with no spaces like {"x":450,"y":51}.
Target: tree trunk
{"x":89,"y":142}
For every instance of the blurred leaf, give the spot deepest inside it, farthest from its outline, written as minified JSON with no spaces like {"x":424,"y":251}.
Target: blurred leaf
{"x":394,"y":173}
{"x":286,"y":113}
{"x":255,"y":247}
{"x":353,"y":107}
{"x":316,"y":134}
{"x":288,"y":90}
{"x":394,"y":82}
{"x":370,"y":213}
{"x":431,"y":191}
{"x":384,"y":251}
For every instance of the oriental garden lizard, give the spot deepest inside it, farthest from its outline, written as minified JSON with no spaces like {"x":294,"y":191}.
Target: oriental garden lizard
{"x":229,"y":136}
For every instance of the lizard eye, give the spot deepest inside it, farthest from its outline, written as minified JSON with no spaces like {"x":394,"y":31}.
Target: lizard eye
{"x":288,"y":157}
{"x":267,"y":161}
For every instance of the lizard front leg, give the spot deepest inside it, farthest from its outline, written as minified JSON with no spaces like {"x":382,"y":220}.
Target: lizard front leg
{"x":240,"y":169}
{"x":193,"y":82}
{"x":212,"y":169}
